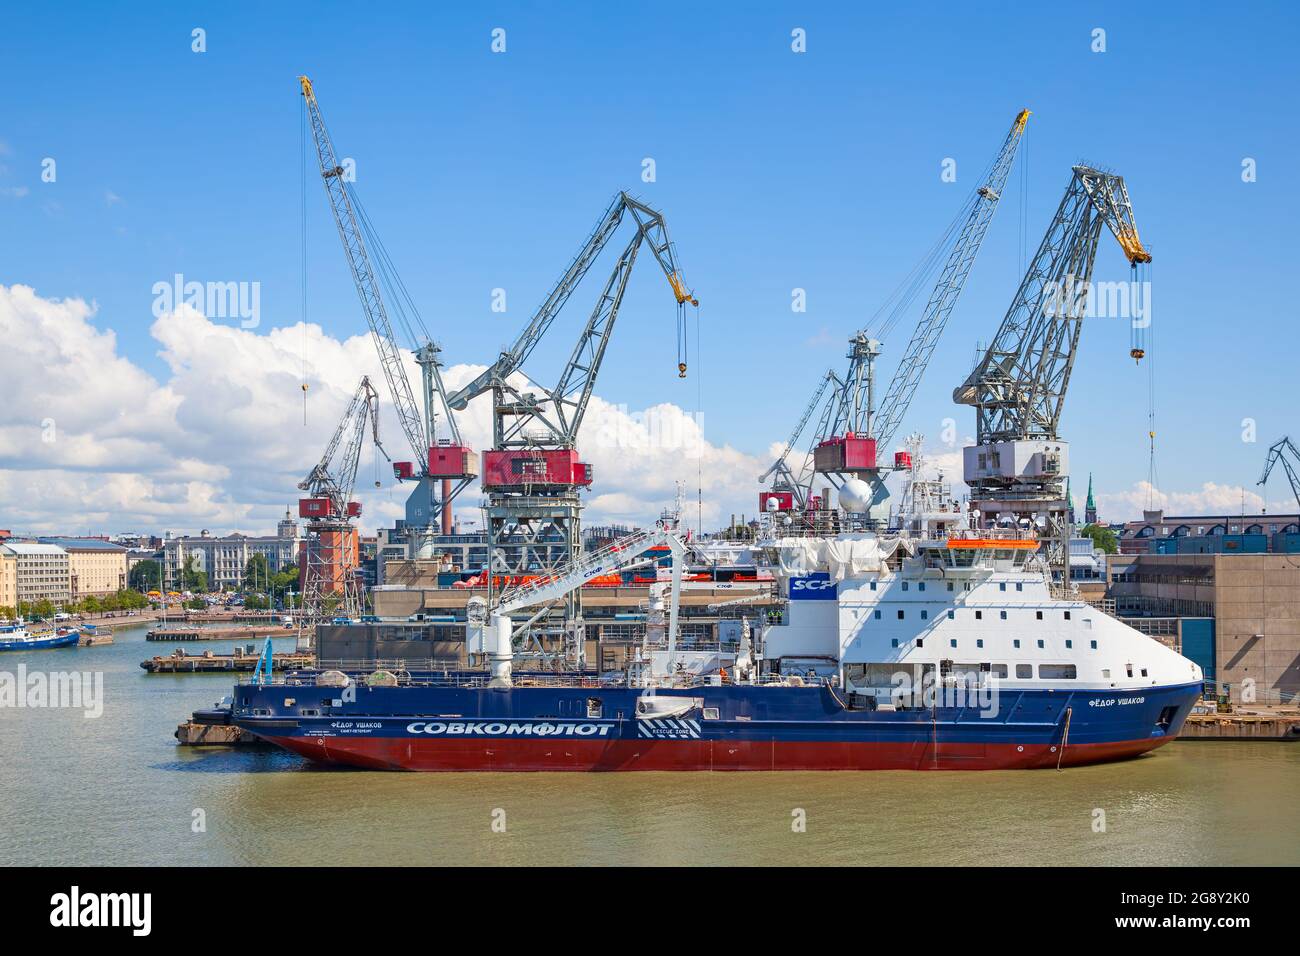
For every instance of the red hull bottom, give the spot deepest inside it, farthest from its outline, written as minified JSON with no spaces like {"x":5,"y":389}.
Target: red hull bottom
{"x":387,"y":753}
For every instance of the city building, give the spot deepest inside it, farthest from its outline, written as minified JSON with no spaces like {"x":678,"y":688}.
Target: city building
{"x":1237,"y":615}
{"x":41,"y":572}
{"x":95,"y":567}
{"x":1158,"y":533}
{"x":8,"y":579}
{"x":224,"y":558}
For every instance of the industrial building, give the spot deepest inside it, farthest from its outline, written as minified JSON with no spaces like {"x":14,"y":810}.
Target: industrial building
{"x":1237,"y":615}
{"x":1158,"y":533}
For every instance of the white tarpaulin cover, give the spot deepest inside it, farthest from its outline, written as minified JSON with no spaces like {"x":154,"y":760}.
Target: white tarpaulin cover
{"x":841,"y":557}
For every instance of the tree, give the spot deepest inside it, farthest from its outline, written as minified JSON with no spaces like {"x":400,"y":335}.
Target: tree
{"x":257,"y":575}
{"x":256,"y":602}
{"x":7,"y":613}
{"x":42,"y":609}
{"x":1103,"y":539}
{"x":192,"y":579}
{"x":145,"y":575}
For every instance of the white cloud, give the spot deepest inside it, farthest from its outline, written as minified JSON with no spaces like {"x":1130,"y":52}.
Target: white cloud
{"x":13,"y":192}
{"x":89,"y":441}
{"x":1210,"y":499}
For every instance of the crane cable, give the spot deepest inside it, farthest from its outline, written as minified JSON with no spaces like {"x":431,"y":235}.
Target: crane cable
{"x":302,"y":249}
{"x":1151,"y":394}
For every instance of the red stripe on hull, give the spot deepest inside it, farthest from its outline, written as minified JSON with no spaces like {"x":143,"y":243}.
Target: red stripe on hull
{"x":455,"y":754}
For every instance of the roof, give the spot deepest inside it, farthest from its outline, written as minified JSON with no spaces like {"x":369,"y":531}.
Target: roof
{"x":83,"y":544}
{"x":31,"y":547}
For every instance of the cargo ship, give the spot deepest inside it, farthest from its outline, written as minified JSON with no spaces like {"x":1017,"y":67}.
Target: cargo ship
{"x":943,"y":649}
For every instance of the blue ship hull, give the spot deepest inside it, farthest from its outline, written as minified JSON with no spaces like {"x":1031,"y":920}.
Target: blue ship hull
{"x":42,"y":643}
{"x":726,"y":727}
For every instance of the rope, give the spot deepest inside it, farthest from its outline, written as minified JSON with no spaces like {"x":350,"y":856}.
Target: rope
{"x":1065,"y":737}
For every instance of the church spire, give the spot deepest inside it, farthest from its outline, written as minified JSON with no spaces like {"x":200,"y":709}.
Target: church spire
{"x":1090,"y":507}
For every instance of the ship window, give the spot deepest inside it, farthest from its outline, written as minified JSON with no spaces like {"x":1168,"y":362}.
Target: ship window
{"x":920,"y":642}
{"x":1019,"y":586}
{"x":1002,"y":614}
{"x":921,"y":586}
{"x":877,"y":614}
{"x":1069,"y":643}
{"x":904,"y":585}
{"x":952,"y":642}
{"x":710,"y":713}
{"x":979,"y":642}
{"x":1040,"y":642}
{"x":1067,"y":615}
{"x":1024,"y":671}
{"x":594,"y":707}
{"x":901,"y":614}
{"x":1105,"y":673}
{"x":1057,"y":671}
{"x":309,"y":712}
{"x":997,"y":670}
{"x":894,"y":642}
{"x":1002,"y":585}
{"x":924,"y":615}
{"x":1016,"y":642}
{"x":1094,"y":644}
{"x":949,"y":585}
{"x":873,"y":585}
{"x":1144,"y":672}
{"x":1038,"y":615}
{"x":1129,"y":669}
{"x":951,"y":614}
{"x":979,"y":615}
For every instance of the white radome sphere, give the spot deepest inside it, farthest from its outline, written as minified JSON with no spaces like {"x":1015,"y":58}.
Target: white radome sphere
{"x":773,"y":504}
{"x":855,"y":496}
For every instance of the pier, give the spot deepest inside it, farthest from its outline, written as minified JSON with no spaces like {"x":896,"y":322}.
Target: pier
{"x":209,"y":663}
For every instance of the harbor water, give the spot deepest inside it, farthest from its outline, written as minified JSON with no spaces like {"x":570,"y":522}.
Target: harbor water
{"x":116,"y":789}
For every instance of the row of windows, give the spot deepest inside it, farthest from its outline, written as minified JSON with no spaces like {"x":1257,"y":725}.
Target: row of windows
{"x":920,"y":586}
{"x":979,"y":642}
{"x":952,"y":615}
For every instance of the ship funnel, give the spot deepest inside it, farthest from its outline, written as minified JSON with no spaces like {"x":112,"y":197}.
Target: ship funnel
{"x":501,"y":651}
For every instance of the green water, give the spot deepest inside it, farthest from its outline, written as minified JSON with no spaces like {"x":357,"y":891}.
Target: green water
{"x":118,"y":790}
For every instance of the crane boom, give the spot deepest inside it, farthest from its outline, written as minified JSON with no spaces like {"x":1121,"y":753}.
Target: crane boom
{"x":984,"y":203}
{"x":650,"y":226}
{"x":1285,"y":452}
{"x":366,"y":280}
{"x":337,"y":481}
{"x":1019,"y":385}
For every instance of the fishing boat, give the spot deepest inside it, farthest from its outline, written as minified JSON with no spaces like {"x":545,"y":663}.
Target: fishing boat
{"x":16,"y":637}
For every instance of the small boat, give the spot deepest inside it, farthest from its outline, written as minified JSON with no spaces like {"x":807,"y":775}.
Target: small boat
{"x":16,"y":637}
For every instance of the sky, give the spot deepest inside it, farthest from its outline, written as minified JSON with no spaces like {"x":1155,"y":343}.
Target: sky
{"x":128,"y":157}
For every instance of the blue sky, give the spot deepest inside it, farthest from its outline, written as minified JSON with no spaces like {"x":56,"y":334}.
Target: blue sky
{"x":775,"y":170}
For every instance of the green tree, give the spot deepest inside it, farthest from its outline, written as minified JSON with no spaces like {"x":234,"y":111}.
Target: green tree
{"x":256,"y":602}
{"x":191,"y":578}
{"x":42,"y":609}
{"x":7,"y":613}
{"x":145,"y":576}
{"x":257,"y":574}
{"x":1103,"y":539}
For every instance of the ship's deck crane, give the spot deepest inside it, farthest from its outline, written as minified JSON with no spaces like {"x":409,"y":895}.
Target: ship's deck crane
{"x":446,"y":459}
{"x":1018,"y":467}
{"x":1284,"y":452}
{"x":533,"y":474}
{"x":332,"y":549}
{"x":491,"y":632}
{"x":849,"y":442}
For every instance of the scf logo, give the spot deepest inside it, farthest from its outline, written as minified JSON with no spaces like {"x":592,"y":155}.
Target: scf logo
{"x":814,"y":587}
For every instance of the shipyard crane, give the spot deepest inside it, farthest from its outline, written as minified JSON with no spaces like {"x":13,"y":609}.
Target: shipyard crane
{"x":1018,"y":467}
{"x":532,"y":474}
{"x":789,"y":490}
{"x":330,"y":570}
{"x":1284,"y":451}
{"x":849,"y":442}
{"x":445,"y":459}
